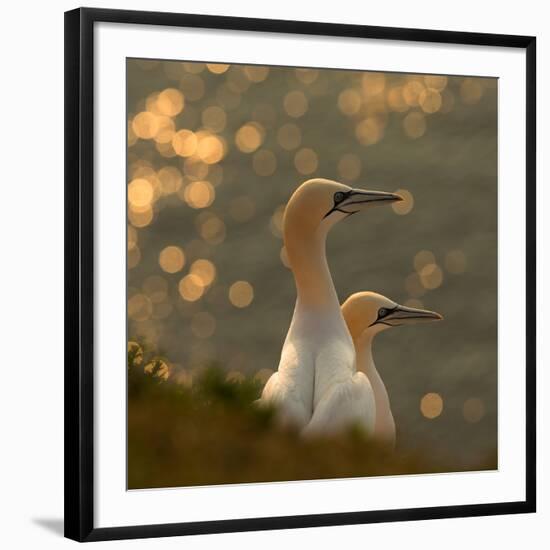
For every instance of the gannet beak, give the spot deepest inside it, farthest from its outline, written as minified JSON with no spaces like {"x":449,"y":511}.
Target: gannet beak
{"x":403,"y":315}
{"x":361,"y":196}
{"x":355,"y":200}
{"x":358,"y":199}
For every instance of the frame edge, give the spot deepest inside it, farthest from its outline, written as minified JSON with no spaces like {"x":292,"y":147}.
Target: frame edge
{"x":79,"y":429}
{"x":78,"y":164}
{"x":531,"y":275}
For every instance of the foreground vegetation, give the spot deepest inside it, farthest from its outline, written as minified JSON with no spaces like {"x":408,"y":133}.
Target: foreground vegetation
{"x":210,"y":433}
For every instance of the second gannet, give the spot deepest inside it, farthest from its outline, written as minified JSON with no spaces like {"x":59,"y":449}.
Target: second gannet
{"x":318,"y":338}
{"x":366,"y":315}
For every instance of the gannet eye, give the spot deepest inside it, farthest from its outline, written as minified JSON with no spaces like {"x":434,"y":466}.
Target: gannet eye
{"x":339,"y":197}
{"x":382,"y":312}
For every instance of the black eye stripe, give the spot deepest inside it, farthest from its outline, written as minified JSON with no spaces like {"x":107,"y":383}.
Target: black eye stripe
{"x":339,"y":197}
{"x":384,"y":312}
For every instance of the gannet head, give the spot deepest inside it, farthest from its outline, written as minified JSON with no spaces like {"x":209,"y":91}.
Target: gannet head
{"x":371,"y":312}
{"x":322,"y":203}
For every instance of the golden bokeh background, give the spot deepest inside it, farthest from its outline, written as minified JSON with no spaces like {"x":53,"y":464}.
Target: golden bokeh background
{"x":214,"y":152}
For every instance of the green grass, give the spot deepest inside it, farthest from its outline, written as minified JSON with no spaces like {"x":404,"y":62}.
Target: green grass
{"x":211,"y":434}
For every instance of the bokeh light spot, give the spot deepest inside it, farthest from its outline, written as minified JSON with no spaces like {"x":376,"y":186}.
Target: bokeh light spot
{"x":241,"y":294}
{"x":406,"y":205}
{"x":431,"y":405}
{"x":161,"y":310}
{"x":210,"y":149}
{"x":205,"y":270}
{"x":172,"y":259}
{"x":237,"y":81}
{"x":132,"y":237}
{"x":155,"y":288}
{"x":256,"y":73}
{"x":431,"y":276}
{"x":430,"y":100}
{"x":289,"y":136}
{"x":199,"y":194}
{"x":295,"y":104}
{"x":264,"y":162}
{"x":194,"y":168}
{"x":139,"y":307}
{"x":166,"y":130}
{"x":191,"y":287}
{"x":217,"y":68}
{"x":436,"y":82}
{"x":396,"y":101}
{"x":473,"y":410}
{"x":170,"y":102}
{"x":134,"y":257}
{"x":211,"y":228}
{"x":185,"y":143}
{"x":349,"y":167}
{"x":165,"y":149}
{"x":447,"y":101}
{"x":249,"y":137}
{"x":411,"y":92}
{"x":194,"y":67}
{"x":423,"y":258}
{"x":132,"y":137}
{"x":373,"y":84}
{"x":142,"y":218}
{"x":140,"y":193}
{"x":170,"y":179}
{"x":414,"y":125}
{"x":349,"y":102}
{"x":145,"y":125}
{"x":471,"y":91}
{"x":306,"y":161}
{"x":276,"y":221}
{"x":306,"y":76}
{"x":369,"y":131}
{"x":214,"y":118}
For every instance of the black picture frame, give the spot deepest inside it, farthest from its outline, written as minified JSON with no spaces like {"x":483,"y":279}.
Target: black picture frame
{"x":79,"y":269}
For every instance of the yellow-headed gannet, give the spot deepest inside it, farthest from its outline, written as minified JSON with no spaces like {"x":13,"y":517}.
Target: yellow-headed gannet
{"x":318,"y":338}
{"x":367,"y":314}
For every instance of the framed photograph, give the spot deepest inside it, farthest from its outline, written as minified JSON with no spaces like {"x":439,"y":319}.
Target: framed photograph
{"x":249,"y":204}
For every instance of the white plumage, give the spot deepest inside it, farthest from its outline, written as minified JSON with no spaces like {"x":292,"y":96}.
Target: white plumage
{"x":367,"y":314}
{"x":318,"y":351}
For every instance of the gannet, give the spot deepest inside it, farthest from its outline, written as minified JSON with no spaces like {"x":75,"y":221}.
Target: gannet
{"x":366,"y":315}
{"x":318,"y":338}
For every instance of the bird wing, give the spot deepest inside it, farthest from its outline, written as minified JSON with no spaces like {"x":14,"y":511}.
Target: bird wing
{"x":290,"y":389}
{"x":346,"y":403}
{"x":290,"y":407}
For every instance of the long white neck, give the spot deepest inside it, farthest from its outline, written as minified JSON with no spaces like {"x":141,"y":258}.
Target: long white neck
{"x":308,"y":261}
{"x":384,"y":429}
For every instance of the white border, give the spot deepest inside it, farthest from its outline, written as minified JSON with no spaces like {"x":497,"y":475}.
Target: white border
{"x":114,"y":506}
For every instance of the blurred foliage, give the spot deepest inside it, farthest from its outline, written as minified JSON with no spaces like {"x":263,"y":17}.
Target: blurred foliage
{"x":211,"y":433}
